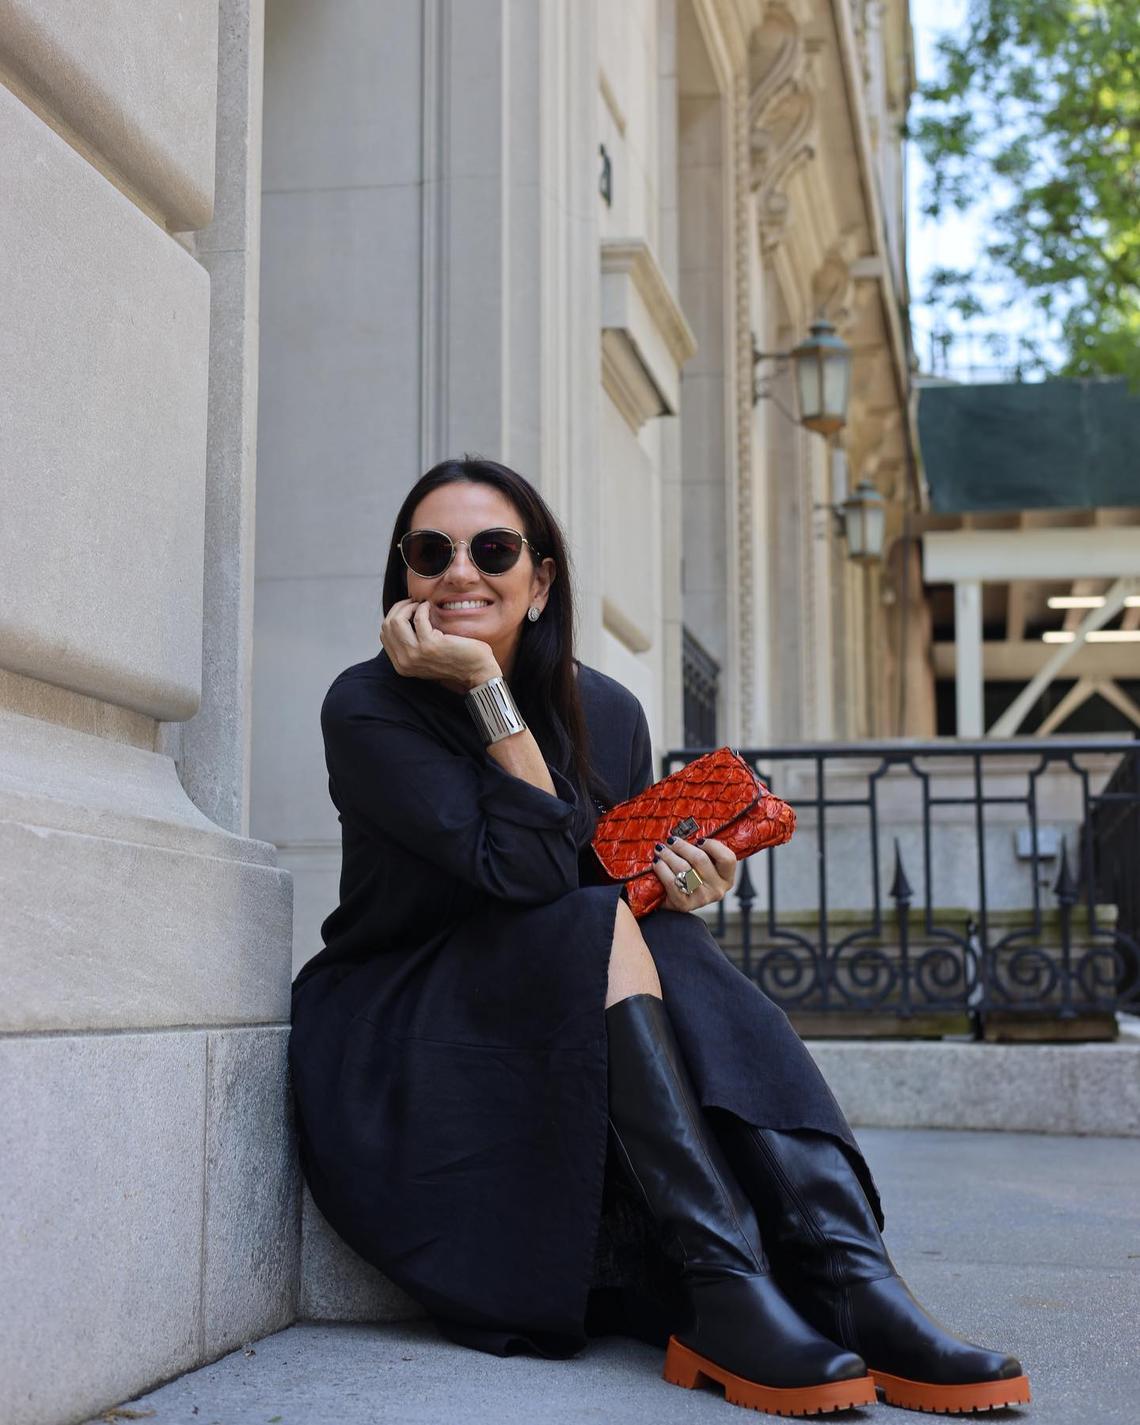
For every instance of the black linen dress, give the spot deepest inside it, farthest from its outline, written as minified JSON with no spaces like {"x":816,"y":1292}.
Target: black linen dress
{"x":448,"y":1046}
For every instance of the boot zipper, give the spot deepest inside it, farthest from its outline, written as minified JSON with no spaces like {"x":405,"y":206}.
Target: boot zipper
{"x":843,"y":1306}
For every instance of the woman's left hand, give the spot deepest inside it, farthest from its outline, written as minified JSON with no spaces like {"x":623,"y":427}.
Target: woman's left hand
{"x":714,"y":862}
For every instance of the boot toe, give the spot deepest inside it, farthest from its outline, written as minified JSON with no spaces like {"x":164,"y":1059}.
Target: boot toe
{"x":845,"y":1365}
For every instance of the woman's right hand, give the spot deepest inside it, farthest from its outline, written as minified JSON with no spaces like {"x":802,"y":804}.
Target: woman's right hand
{"x":417,"y":649}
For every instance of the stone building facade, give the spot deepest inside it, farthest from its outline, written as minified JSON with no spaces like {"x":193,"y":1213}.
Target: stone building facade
{"x":311,"y":249}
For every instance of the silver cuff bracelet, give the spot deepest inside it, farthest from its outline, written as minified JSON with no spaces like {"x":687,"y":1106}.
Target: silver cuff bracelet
{"x":493,"y":710}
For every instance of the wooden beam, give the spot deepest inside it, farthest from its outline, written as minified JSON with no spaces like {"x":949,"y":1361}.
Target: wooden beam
{"x":1014,"y":715}
{"x":1065,"y":553}
{"x":1017,"y":662}
{"x":1015,"y":601}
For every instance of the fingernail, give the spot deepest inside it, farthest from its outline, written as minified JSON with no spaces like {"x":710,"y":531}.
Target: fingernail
{"x":657,"y":846}
{"x":655,"y":856}
{"x":699,"y":840}
{"x":670,"y":839}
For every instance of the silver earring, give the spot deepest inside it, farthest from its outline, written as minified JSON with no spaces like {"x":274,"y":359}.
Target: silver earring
{"x":533,"y":612}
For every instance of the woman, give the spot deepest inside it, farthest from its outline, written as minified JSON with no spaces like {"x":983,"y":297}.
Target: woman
{"x":541,"y":1117}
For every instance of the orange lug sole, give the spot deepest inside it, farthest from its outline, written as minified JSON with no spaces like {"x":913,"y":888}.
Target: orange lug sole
{"x":952,"y":1399}
{"x":684,"y":1367}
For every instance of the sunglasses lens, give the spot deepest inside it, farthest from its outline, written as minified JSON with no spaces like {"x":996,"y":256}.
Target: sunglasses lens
{"x":426,"y":552}
{"x":494,"y":551}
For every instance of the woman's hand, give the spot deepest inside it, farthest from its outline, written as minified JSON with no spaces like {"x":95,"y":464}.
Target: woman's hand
{"x":715,"y":864}
{"x":420,"y":650}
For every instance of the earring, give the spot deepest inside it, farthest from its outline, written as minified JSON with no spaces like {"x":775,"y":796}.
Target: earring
{"x":533,"y":612}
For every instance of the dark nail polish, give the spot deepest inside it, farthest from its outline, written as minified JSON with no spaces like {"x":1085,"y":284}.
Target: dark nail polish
{"x":655,"y":856}
{"x":699,"y":840}
{"x":670,"y":839}
{"x":657,"y":846}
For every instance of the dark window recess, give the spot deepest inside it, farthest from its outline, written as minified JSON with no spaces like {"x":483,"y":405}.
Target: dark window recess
{"x":700,"y":673}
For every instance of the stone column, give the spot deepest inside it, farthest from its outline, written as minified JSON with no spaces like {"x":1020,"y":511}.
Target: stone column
{"x":968,"y":651}
{"x":144,"y":1146}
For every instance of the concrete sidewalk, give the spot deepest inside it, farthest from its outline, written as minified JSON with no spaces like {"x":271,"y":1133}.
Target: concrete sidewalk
{"x":1024,"y":1242}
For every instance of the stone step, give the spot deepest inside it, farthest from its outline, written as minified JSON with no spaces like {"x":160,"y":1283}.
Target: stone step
{"x":1016,"y":1241}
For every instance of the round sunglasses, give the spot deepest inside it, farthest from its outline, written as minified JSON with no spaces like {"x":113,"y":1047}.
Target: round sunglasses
{"x":428,"y":552}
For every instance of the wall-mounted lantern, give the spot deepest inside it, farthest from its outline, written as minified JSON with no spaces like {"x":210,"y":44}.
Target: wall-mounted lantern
{"x":864,"y":515}
{"x":823,"y":378}
{"x":823,"y":374}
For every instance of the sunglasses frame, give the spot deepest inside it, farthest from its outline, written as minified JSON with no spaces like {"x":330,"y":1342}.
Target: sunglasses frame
{"x":455,"y":543}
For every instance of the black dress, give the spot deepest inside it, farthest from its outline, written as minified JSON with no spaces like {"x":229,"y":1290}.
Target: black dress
{"x":448,"y":1045}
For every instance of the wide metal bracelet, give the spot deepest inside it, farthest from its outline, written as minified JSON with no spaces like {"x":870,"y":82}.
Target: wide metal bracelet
{"x":493,"y":710}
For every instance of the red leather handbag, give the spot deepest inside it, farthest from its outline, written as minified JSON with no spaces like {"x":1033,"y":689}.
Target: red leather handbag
{"x":717,"y":794}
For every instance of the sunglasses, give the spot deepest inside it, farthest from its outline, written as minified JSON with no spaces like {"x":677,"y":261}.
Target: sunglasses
{"x":428,"y":552}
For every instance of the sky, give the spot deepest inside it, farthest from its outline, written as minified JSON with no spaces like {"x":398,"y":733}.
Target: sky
{"x":953,"y":240}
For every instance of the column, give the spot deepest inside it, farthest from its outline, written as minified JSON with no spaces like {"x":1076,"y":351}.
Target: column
{"x":968,"y":656}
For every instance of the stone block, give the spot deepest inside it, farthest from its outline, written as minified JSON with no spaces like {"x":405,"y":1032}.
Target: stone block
{"x":104,"y":373}
{"x":1024,"y":1088}
{"x":102,"y":932}
{"x":139,"y":92}
{"x":338,"y":1285}
{"x":251,"y":1271}
{"x":100,"y":1218}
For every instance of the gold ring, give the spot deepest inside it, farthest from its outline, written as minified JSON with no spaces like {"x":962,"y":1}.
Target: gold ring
{"x":688,"y":880}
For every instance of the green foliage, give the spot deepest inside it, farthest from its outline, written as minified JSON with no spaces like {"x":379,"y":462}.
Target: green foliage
{"x":1036,"y":111}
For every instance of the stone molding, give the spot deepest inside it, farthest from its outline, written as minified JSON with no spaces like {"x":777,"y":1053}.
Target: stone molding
{"x":137,"y":99}
{"x":645,"y":337}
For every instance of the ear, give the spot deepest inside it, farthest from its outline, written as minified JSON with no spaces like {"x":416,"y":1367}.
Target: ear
{"x":545,"y":574}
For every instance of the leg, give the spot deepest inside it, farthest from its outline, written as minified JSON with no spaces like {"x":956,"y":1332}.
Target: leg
{"x":829,"y":1254}
{"x":632,"y":971}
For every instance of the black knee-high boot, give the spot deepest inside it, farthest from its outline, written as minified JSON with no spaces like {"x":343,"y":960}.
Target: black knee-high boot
{"x":743,"y":1333}
{"x":831,"y":1260}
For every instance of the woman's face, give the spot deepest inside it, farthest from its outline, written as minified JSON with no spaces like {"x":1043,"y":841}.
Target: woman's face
{"x":461,"y":509}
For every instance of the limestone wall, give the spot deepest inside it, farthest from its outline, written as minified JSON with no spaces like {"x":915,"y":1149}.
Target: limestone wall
{"x":149,"y":1204}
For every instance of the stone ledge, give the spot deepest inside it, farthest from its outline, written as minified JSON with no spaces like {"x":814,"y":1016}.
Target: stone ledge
{"x":1021,"y":1088}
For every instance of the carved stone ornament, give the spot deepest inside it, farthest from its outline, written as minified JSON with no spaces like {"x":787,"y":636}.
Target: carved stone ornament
{"x":781,"y":115}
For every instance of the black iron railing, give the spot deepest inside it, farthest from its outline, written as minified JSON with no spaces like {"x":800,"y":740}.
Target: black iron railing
{"x":1023,"y":858}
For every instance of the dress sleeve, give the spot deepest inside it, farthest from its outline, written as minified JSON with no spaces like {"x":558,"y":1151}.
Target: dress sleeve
{"x":471,"y":818}
{"x":641,"y":756}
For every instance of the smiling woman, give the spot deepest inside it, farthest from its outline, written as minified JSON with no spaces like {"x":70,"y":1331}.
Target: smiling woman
{"x":511,"y":1095}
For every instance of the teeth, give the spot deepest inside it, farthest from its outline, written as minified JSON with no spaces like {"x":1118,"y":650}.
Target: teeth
{"x":467,"y":604}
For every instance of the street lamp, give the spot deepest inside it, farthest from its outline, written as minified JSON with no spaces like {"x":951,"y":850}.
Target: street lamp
{"x":823,"y":374}
{"x":823,"y":371}
{"x":864,"y":514}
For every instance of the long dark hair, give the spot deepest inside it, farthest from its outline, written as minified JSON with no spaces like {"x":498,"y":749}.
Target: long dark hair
{"x":542,"y":677}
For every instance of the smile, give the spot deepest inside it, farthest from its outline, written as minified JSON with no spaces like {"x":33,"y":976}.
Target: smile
{"x":460,"y":606}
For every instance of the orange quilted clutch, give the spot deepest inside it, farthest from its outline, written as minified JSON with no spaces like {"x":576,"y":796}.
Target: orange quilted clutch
{"x":717,"y":794}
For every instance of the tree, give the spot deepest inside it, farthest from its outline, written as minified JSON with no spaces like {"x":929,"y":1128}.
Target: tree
{"x":1036,"y":109}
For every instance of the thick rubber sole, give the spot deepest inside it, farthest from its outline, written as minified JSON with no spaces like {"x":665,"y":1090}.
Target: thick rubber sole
{"x":952,"y":1399}
{"x":684,"y":1367}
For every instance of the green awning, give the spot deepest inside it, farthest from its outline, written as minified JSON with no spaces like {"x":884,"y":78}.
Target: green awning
{"x":1071,"y":444}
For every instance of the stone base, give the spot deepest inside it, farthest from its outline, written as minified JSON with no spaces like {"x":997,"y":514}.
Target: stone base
{"x":338,"y":1285}
{"x":1023,"y":1088}
{"x":149,"y":1210}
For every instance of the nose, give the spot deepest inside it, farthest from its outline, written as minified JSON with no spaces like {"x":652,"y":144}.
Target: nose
{"x":461,"y":570}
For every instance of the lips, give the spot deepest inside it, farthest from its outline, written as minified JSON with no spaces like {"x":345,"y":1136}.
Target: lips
{"x":477,"y":610}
